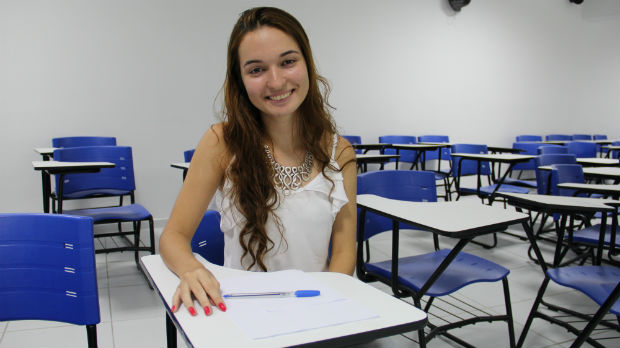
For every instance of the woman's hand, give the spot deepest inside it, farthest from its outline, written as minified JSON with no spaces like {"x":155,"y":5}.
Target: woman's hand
{"x":200,"y":284}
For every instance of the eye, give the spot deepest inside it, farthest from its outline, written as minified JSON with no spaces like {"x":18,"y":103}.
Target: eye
{"x":255,"y":70}
{"x":288,"y":62}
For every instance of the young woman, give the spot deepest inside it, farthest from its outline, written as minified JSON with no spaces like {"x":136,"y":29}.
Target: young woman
{"x":283,"y":180}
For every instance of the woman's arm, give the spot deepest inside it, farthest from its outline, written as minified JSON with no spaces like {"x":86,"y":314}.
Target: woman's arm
{"x":203,"y":178}
{"x":344,"y":229}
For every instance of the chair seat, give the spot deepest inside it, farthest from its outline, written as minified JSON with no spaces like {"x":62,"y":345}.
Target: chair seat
{"x":591,"y":234}
{"x":597,"y":282}
{"x":520,"y":182}
{"x":488,"y":190}
{"x":132,"y":212}
{"x":465,"y":269}
{"x":94,"y":193}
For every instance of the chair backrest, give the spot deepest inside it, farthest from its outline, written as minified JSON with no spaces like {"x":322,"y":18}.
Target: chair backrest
{"x":407,"y":185}
{"x":551,"y":149}
{"x":582,"y":149}
{"x":582,"y":137}
{"x":562,"y":173}
{"x":543,"y":176}
{"x":121,"y":177}
{"x":600,"y":137}
{"x":83,"y":141}
{"x":47,"y":269}
{"x":468,"y":167}
{"x":208,"y":240}
{"x":526,"y":137}
{"x":527,"y":148}
{"x":188,"y":154}
{"x":354,"y":139}
{"x":558,"y":137}
{"x":431,"y":155}
{"x":405,"y":155}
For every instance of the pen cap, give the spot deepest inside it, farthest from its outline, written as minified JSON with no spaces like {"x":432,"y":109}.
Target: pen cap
{"x":307,"y":293}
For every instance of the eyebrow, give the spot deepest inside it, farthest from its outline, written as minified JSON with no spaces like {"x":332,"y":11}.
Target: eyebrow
{"x":281,"y":55}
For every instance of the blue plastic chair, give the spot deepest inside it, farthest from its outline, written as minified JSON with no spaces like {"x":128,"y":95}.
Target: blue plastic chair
{"x":582,"y":149}
{"x":543,"y":177}
{"x":188,"y":154}
{"x":354,"y":140}
{"x":582,"y":137}
{"x":414,"y":271}
{"x":83,"y":141}
{"x":525,"y":137}
{"x":47,"y":270}
{"x":406,"y":185}
{"x":79,"y":141}
{"x":408,"y":156}
{"x":552,"y":149}
{"x":443,"y":174}
{"x":527,"y":148}
{"x":561,"y":137}
{"x":600,"y":283}
{"x":599,"y":137}
{"x":119,"y":178}
{"x":467,"y":167}
{"x":208,"y":240}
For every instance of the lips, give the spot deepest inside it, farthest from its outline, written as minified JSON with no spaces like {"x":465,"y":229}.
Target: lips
{"x":280,"y":97}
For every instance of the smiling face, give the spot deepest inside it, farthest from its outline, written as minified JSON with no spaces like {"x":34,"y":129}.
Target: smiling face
{"x":273,"y":71}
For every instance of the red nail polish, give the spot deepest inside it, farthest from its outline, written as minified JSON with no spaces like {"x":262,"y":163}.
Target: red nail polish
{"x":207,"y":310}
{"x":222,"y":306}
{"x":192,"y":311}
{"x":173,"y":309}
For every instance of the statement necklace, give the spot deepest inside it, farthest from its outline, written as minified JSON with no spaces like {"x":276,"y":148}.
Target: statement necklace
{"x":289,"y":179}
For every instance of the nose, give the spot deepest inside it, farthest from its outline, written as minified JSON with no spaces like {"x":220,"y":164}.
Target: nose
{"x":275,"y":79}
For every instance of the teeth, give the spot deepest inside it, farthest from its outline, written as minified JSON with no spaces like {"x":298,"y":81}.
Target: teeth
{"x":280,"y":97}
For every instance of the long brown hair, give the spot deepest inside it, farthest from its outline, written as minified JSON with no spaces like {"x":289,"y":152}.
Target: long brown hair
{"x":253,"y":191}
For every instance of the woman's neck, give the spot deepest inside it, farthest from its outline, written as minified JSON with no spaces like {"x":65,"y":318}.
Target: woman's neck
{"x":283,"y":140}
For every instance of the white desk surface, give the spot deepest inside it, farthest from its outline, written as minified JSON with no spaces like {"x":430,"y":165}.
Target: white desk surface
{"x":419,"y":146}
{"x":610,"y":172}
{"x":597,"y":161}
{"x":453,"y":219}
{"x":374,"y":156}
{"x":180,"y":165}
{"x":563,"y":202}
{"x":40,"y":165}
{"x":595,"y":188}
{"x":499,"y":157}
{"x":44,"y":150}
{"x":218,"y":330}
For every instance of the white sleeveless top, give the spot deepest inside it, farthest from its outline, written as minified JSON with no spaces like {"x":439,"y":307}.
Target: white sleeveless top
{"x":306,"y":215}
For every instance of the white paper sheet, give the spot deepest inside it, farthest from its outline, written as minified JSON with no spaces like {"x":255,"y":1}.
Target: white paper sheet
{"x":268,"y":317}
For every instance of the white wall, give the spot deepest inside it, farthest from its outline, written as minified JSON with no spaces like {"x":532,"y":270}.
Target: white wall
{"x":148,"y":72}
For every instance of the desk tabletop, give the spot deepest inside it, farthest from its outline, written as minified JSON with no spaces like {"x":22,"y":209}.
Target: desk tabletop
{"x":365,"y":156}
{"x":602,"y":172}
{"x":219,"y":330}
{"x":180,"y":165}
{"x":497,"y":157}
{"x":598,"y":162}
{"x":369,"y":146}
{"x":419,"y":146}
{"x":559,"y":203}
{"x":612,"y":189}
{"x":51,"y":165}
{"x":45,"y":150}
{"x":454,"y":218}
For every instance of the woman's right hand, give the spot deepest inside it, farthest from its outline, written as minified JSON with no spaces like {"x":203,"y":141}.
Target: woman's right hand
{"x":202,"y":285}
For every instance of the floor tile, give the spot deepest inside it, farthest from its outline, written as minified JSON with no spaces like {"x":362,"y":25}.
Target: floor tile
{"x":60,"y":336}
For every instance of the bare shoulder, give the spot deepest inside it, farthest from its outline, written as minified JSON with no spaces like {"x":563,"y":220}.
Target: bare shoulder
{"x":344,"y":152}
{"x":212,"y":145}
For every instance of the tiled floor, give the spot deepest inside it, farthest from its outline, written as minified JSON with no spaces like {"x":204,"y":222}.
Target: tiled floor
{"x":132,"y":314}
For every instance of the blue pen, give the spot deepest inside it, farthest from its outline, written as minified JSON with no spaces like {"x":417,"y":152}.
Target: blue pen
{"x":298,"y":293}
